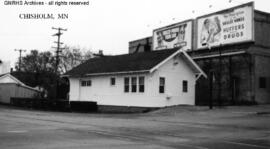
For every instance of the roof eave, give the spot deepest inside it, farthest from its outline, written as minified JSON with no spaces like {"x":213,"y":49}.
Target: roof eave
{"x":181,"y":50}
{"x":201,"y":72}
{"x":108,"y":73}
{"x":19,"y":82}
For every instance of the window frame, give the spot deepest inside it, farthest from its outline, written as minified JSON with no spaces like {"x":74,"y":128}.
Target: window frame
{"x":162,"y":83}
{"x":134,"y":84}
{"x":126,"y":84}
{"x":184,"y":86}
{"x":141,"y":84}
{"x":89,"y":83}
{"x":112,"y":81}
{"x":85,"y":83}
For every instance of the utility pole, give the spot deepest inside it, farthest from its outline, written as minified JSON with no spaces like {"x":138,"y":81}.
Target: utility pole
{"x":58,"y":48}
{"x":211,"y":81}
{"x":20,"y":58}
{"x":220,"y":78}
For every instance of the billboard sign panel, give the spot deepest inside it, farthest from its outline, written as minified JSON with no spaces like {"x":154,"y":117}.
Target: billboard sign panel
{"x":229,"y":26}
{"x":176,"y":35}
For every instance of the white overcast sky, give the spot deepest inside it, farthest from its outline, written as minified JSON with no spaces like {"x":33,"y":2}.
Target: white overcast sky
{"x":104,"y":24}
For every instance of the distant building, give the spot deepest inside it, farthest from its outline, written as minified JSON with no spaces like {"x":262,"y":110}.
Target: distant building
{"x":240,"y":71}
{"x":152,"y":79}
{"x":10,"y":87}
{"x":232,"y":46}
{"x":140,"y":45}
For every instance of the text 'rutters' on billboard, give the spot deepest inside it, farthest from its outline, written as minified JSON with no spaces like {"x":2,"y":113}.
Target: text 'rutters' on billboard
{"x":229,"y":26}
{"x":173,"y":36}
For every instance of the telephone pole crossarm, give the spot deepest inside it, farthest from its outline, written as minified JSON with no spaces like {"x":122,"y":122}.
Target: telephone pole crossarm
{"x":20,"y":57}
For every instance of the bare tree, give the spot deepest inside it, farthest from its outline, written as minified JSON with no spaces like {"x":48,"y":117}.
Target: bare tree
{"x":72,"y":57}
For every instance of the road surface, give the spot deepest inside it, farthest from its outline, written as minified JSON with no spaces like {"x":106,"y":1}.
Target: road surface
{"x":179,"y":127}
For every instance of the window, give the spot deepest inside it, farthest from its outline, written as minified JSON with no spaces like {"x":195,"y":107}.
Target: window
{"x":126,"y":84}
{"x":141,"y":84}
{"x":112,"y":81}
{"x":161,"y":85}
{"x":134,"y":84}
{"x":262,"y":82}
{"x":86,"y":83}
{"x":185,"y":86}
{"x":83,"y":83}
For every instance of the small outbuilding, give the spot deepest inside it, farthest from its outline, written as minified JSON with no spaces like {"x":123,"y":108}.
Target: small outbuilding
{"x":11,"y":87}
{"x":150,"y":79}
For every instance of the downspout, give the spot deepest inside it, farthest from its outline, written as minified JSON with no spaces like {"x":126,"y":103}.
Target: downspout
{"x":79,"y":99}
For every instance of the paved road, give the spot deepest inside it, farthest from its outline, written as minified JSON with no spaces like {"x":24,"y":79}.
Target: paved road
{"x":177,"y":127}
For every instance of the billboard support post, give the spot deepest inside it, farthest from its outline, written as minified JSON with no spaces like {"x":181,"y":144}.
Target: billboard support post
{"x":211,"y":88}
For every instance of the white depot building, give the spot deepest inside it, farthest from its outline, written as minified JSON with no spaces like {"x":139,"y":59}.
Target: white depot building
{"x":151,"y":79}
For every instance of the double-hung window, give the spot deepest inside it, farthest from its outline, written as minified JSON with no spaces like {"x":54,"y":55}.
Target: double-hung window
{"x":126,"y":84}
{"x":141,"y":84}
{"x":133,"y":84}
{"x":185,"y":86}
{"x":86,"y":83}
{"x":161,"y":85}
{"x":83,"y":83}
{"x":112,"y":81}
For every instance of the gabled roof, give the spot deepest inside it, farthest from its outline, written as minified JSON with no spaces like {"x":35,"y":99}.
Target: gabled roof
{"x":196,"y":68}
{"x":145,"y":62}
{"x":2,"y":75}
{"x":189,"y":61}
{"x":17,"y":81}
{"x":137,"y":62}
{"x":12,"y":78}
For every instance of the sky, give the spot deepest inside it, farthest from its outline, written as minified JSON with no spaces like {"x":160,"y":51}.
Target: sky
{"x":106,"y":25}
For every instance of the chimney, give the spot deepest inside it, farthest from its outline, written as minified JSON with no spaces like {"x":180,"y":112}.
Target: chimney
{"x":4,"y":67}
{"x":100,"y":52}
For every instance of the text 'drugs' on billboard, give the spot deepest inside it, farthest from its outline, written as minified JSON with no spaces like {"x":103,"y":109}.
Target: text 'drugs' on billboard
{"x":229,"y":26}
{"x":173,"y":36}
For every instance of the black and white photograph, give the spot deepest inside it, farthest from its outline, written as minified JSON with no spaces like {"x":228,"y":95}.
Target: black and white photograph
{"x":134,"y":74}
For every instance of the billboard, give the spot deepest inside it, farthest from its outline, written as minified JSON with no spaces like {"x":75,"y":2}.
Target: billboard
{"x":229,"y":26}
{"x":176,"y":35}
